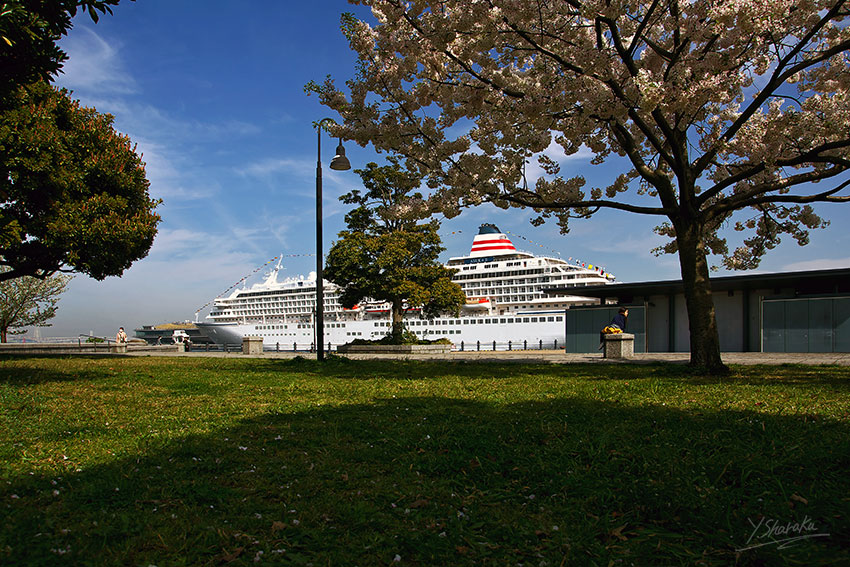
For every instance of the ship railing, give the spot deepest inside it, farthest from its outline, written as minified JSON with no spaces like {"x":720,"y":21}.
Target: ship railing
{"x":462,"y":346}
{"x":278,"y":347}
{"x":511,"y":345}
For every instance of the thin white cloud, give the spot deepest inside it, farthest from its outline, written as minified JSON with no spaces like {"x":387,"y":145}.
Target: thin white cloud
{"x":180,"y":241}
{"x":145,"y":120}
{"x":94,"y":65}
{"x":275,"y":166}
{"x":170,"y":175}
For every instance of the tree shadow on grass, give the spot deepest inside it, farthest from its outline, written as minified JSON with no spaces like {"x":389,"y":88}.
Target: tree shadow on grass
{"x":14,"y":369}
{"x":435,"y":481}
{"x":339,"y":367}
{"x":343,"y":368}
{"x":759,"y":375}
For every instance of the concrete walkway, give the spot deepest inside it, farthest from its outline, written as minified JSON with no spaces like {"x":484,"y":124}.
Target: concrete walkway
{"x":554,"y":357}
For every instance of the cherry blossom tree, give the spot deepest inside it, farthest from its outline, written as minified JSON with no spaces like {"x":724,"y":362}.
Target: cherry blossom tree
{"x":726,"y":113}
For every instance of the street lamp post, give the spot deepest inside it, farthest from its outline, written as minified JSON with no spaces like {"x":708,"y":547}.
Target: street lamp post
{"x":339,"y":163}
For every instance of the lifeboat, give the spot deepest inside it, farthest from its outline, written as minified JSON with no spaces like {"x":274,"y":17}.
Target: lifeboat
{"x":477,"y":303}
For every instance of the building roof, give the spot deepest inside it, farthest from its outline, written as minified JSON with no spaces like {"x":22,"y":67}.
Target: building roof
{"x":804,"y":283}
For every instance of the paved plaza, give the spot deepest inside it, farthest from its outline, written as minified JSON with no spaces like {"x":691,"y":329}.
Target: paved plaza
{"x":558,"y":357}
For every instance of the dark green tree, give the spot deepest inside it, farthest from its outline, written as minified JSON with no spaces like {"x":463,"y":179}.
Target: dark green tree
{"x":73,"y":192}
{"x":388,"y":253}
{"x":28,"y":302}
{"x":29,"y":30}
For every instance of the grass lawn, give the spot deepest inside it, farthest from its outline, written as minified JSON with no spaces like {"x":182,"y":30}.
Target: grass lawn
{"x":192,"y":461}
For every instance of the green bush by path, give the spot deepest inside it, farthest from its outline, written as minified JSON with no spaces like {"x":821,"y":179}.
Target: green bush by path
{"x":179,"y":461}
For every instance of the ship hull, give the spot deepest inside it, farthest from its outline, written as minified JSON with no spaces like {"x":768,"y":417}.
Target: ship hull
{"x":469,"y":332}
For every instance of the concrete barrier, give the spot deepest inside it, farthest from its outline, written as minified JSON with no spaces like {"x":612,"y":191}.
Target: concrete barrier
{"x":252,"y":345}
{"x":80,"y":348}
{"x":619,"y":345}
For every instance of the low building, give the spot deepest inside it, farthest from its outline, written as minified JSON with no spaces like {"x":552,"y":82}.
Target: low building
{"x":776,"y":312}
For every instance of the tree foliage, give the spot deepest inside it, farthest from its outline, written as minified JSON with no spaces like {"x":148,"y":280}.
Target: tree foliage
{"x":73,"y":192}
{"x":725,"y":114}
{"x":29,"y":30}
{"x":28,"y":302}
{"x":386,"y":253}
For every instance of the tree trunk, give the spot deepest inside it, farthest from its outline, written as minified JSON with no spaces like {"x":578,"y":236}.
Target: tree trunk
{"x":705,"y":339}
{"x":3,"y":334}
{"x":398,"y":320}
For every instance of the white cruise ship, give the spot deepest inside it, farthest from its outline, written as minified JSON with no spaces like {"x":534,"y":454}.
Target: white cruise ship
{"x":507,"y":306}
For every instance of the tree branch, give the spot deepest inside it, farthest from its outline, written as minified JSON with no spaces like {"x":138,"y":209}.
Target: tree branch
{"x":531,"y":199}
{"x":729,"y":205}
{"x":749,"y":170}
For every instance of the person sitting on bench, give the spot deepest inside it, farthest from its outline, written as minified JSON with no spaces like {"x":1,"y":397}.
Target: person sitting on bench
{"x":617,"y":325}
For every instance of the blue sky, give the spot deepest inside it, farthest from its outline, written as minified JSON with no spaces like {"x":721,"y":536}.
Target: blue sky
{"x":212,"y":93}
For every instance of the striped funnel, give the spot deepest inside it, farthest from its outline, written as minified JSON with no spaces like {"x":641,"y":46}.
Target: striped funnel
{"x":491,"y":242}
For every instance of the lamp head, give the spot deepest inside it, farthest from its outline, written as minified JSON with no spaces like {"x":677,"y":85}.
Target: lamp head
{"x":339,"y":161}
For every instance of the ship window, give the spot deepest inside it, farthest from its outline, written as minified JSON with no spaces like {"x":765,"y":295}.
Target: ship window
{"x":534,"y":319}
{"x":501,"y":320}
{"x":550,"y":319}
{"x":466,"y":322}
{"x":559,"y":318}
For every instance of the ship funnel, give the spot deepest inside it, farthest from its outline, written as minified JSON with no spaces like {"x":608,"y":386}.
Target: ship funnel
{"x":490,"y":241}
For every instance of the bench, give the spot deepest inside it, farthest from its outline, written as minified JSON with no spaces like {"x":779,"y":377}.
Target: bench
{"x":619,"y":345}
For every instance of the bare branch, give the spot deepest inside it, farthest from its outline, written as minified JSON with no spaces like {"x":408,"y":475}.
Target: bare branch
{"x":530,"y":199}
{"x":815,"y":155}
{"x":727,"y":206}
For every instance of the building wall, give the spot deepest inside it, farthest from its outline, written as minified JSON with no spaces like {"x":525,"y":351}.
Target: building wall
{"x":658,"y":323}
{"x":682,"y":335}
{"x":811,"y":313}
{"x":817,"y":324}
{"x":738,"y":320}
{"x":729,"y":310}
{"x":757,"y":320}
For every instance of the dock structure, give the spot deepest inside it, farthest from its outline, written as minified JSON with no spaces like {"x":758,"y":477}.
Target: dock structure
{"x":164,"y":333}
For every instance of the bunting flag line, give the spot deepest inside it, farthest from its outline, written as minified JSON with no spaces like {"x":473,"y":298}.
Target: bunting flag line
{"x":245,"y":278}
